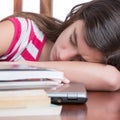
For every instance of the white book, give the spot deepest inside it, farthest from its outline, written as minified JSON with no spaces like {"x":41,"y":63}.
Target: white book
{"x":14,"y":85}
{"x":22,"y":72}
{"x":32,"y":111}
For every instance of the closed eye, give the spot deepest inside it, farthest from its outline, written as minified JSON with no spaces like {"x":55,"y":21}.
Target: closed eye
{"x":73,"y":38}
{"x":72,"y":41}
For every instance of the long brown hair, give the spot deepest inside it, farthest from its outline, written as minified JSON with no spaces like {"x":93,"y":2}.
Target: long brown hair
{"x":102,"y":27}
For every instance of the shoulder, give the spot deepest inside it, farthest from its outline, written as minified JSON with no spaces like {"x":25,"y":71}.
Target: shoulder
{"x":6,"y":35}
{"x":6,"y":24}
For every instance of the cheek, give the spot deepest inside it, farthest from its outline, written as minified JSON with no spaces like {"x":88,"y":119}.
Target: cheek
{"x":61,"y":42}
{"x":64,"y":36}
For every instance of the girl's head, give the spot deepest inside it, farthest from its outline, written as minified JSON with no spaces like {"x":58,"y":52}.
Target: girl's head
{"x":101,"y":27}
{"x":71,"y":46}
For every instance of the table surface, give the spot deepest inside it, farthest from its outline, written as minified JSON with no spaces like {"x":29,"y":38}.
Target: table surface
{"x":100,"y":106}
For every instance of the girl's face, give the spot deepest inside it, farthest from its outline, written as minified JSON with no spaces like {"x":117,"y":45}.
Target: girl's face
{"x":71,"y":46}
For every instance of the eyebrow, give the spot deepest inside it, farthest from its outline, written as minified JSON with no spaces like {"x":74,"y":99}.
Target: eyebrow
{"x":75,"y":36}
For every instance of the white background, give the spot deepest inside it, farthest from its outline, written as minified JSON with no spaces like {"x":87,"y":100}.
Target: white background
{"x":60,"y":7}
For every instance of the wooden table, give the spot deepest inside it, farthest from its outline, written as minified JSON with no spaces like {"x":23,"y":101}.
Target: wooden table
{"x":100,"y":106}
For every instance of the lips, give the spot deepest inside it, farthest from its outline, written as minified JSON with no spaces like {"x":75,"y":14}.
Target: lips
{"x":55,"y":57}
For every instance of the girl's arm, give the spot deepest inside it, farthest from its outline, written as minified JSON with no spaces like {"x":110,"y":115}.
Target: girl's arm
{"x":95,"y":76}
{"x":6,"y":36}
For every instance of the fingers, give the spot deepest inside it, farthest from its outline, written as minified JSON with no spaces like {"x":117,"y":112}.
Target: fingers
{"x":65,"y":80}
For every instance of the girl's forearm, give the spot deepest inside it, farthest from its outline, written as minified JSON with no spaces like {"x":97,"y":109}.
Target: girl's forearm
{"x":94,"y":76}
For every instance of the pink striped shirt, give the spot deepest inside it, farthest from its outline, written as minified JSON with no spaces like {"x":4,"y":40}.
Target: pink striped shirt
{"x":27,"y":42}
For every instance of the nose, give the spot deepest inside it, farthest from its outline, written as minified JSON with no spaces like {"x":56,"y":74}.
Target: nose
{"x":70,"y":55}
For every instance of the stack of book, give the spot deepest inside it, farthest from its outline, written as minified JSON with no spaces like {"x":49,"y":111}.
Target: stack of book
{"x":15,"y":97}
{"x":27,"y":103}
{"x":15,"y":76}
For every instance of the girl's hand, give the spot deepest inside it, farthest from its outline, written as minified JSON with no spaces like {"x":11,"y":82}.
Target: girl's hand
{"x":65,"y":80}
